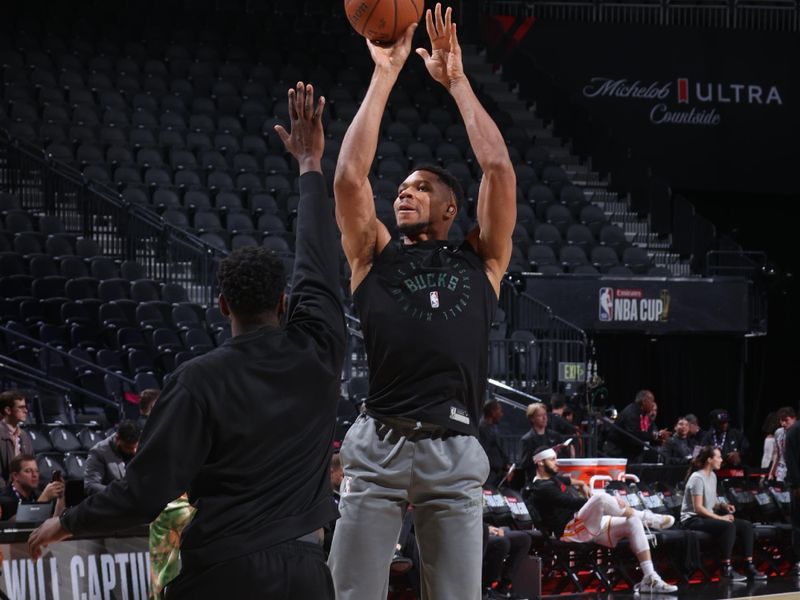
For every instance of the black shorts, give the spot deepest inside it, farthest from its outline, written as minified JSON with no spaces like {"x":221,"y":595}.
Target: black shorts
{"x":288,"y":571}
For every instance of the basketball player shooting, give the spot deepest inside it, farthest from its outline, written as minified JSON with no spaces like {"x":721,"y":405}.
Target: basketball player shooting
{"x":425,"y":306}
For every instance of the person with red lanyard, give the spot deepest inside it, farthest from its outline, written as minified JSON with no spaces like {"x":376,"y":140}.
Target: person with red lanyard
{"x":632,"y":433}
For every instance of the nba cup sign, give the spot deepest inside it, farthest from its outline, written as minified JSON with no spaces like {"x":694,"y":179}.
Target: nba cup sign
{"x":632,"y":305}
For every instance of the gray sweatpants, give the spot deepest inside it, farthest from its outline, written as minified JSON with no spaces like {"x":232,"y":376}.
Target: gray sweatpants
{"x":384,"y":471}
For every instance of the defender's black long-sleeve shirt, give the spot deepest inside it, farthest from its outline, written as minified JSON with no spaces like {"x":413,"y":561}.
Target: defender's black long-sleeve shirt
{"x":247,"y":429}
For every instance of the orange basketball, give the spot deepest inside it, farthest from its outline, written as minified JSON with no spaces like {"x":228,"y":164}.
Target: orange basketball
{"x":383,"y":20}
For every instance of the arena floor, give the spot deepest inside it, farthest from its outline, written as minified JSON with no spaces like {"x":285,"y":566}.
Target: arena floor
{"x":776,"y":588}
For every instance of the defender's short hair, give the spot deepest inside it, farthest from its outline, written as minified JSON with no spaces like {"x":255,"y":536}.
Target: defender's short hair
{"x":252,"y":280}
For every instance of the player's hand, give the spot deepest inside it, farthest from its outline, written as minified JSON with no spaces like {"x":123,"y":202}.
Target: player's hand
{"x":53,"y":490}
{"x":496,"y":531}
{"x":664,"y":435}
{"x":730,"y":508}
{"x":392,"y":57}
{"x":47,"y":533}
{"x":444,"y":60}
{"x":306,"y":142}
{"x":728,"y":518}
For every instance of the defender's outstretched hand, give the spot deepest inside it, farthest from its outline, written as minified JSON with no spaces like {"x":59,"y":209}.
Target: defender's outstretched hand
{"x":306,"y":142}
{"x":444,"y":60}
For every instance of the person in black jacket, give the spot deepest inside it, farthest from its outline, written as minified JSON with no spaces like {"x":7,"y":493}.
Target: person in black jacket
{"x":487,"y":435}
{"x":792,"y":453}
{"x":732,"y":444}
{"x":556,"y":420}
{"x":678,"y":449}
{"x":634,"y":421}
{"x":248,"y":428}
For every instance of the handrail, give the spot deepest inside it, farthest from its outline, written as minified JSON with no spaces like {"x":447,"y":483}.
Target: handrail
{"x":773,"y":15}
{"x":508,"y":388}
{"x":66,"y":355}
{"x":754,"y":267}
{"x":748,"y":262}
{"x":96,"y":211}
{"x":47,"y":381}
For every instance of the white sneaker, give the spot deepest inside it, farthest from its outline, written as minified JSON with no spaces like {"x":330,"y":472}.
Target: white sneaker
{"x":654,"y":585}
{"x":655,"y":521}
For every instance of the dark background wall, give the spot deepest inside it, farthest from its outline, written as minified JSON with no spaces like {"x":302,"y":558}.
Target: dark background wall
{"x":739,"y":174}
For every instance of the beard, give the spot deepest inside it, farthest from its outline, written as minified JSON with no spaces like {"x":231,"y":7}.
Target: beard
{"x":550,"y":471}
{"x":412,"y":230}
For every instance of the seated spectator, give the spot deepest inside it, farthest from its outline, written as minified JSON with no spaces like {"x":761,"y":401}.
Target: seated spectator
{"x":487,"y":436}
{"x":147,"y":400}
{"x":693,"y":437}
{"x":13,"y":439}
{"x":539,"y":435}
{"x":700,"y":511}
{"x":556,"y":419}
{"x":676,"y":450}
{"x":786,"y":418}
{"x":603,"y":519}
{"x":108,"y":459}
{"x":632,"y":431}
{"x":503,"y":552}
{"x":23,"y":486}
{"x":732,"y":444}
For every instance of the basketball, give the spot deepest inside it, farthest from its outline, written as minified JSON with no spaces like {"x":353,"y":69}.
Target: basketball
{"x":383,"y":21}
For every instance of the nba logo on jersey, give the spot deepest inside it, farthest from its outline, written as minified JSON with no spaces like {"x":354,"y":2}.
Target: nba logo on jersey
{"x":606,"y":304}
{"x":434,"y":299}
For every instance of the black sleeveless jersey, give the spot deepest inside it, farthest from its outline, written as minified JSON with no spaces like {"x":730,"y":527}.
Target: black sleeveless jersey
{"x":425,"y":313}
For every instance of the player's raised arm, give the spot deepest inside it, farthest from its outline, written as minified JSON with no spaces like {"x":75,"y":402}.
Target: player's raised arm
{"x":363,"y":234}
{"x":497,"y":209}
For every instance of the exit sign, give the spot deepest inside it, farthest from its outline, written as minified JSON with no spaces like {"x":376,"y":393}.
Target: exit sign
{"x":571,"y":372}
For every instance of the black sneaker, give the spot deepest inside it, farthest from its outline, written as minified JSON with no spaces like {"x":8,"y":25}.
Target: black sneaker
{"x":753,"y":573}
{"x":727,"y":572}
